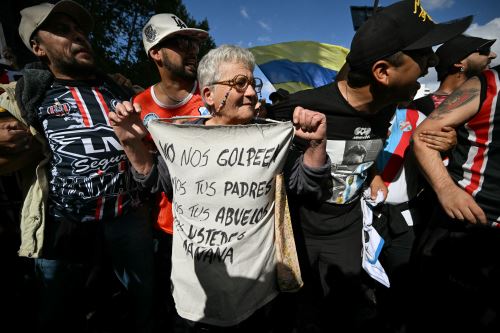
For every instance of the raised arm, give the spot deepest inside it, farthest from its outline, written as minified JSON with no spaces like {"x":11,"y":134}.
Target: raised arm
{"x":311,"y":126}
{"x":308,"y":167}
{"x":457,"y":109}
{"x":129,"y":129}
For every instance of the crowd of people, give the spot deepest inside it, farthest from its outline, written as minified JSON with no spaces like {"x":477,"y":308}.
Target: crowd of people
{"x":391,"y":199}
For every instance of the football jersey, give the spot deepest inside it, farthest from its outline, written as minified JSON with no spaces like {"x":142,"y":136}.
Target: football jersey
{"x":475,"y":162}
{"x":153,"y":108}
{"x":88,"y":178}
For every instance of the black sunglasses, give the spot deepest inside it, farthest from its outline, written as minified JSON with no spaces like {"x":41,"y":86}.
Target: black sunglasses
{"x":183,"y":43}
{"x":484,"y":50}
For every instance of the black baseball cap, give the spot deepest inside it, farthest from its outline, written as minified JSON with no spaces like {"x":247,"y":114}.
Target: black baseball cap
{"x":457,"y":49}
{"x":402,"y":26}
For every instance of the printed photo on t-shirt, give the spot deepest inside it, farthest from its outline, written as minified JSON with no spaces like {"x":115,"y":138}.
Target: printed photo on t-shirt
{"x":350,"y":162}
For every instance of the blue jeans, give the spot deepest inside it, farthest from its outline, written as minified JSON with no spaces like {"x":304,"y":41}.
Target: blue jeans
{"x":65,"y":284}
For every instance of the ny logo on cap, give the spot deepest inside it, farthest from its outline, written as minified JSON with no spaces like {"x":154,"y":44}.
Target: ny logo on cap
{"x":180,"y":24}
{"x":423,"y":13}
{"x":150,"y":33}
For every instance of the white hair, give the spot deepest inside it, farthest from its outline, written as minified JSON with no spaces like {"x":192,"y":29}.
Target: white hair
{"x":208,"y":68}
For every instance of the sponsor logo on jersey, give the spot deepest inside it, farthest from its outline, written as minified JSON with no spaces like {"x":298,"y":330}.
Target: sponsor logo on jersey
{"x":203,"y":111}
{"x":113,"y":104}
{"x":87,"y":150}
{"x":93,"y":143}
{"x":405,"y":126}
{"x":59,"y":109}
{"x":149,"y":117}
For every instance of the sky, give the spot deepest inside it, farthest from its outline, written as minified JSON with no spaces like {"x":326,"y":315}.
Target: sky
{"x":249,"y":23}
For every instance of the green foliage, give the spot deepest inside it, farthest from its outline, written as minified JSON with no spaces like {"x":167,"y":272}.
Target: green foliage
{"x":117,"y":37}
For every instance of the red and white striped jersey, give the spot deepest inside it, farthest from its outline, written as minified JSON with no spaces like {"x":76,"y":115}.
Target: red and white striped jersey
{"x":88,"y":176}
{"x":153,"y":108}
{"x":475,"y":162}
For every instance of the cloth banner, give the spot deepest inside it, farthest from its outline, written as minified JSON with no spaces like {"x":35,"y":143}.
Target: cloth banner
{"x":299,"y":65}
{"x":223,"y":256}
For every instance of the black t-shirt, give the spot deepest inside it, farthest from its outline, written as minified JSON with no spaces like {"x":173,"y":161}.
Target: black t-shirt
{"x":354,"y":141}
{"x":88,"y":175}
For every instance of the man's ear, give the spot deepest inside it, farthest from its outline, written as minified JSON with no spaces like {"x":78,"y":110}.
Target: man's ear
{"x":381,"y":71}
{"x":155,"y":54}
{"x":208,"y":96}
{"x":37,"y":48}
{"x":459,"y":66}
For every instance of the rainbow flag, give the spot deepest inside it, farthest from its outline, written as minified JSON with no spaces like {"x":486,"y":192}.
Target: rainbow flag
{"x":300,"y":65}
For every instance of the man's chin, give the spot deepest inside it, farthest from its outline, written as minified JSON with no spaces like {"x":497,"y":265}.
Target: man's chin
{"x":78,"y":69}
{"x":87,"y":65}
{"x":247,"y":110}
{"x":85,"y":59}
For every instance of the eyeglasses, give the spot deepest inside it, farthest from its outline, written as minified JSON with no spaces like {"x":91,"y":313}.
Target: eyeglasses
{"x":425,"y":57}
{"x":240,"y":83}
{"x":183,"y":43}
{"x":484,"y":50}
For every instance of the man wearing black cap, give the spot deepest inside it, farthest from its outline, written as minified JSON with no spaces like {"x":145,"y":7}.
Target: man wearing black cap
{"x":460,"y":267}
{"x":82,"y":207}
{"x":388,"y":54}
{"x":460,"y":58}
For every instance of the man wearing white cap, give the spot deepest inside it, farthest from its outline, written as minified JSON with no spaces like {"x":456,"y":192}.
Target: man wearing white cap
{"x":82,"y":206}
{"x":173,"y":47}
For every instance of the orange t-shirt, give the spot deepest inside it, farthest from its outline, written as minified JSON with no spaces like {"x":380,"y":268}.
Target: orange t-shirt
{"x":152,"y":108}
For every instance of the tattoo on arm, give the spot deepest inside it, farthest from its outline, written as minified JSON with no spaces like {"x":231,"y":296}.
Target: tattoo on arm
{"x":457,"y":99}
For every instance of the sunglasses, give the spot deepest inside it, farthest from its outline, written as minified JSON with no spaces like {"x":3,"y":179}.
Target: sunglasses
{"x":183,"y":43}
{"x":484,"y":50}
{"x":240,"y":83}
{"x":424,"y":57}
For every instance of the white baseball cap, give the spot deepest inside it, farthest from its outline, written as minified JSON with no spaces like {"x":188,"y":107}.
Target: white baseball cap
{"x":161,"y":26}
{"x":33,"y":17}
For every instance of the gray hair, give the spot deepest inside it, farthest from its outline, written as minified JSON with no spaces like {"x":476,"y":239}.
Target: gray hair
{"x":208,"y":68}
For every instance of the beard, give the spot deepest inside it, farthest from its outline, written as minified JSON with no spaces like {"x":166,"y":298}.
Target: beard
{"x":177,"y":70}
{"x":73,"y":68}
{"x":474,"y":69}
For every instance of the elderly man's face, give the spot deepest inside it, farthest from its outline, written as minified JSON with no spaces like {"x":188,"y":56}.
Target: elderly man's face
{"x":239,"y":107}
{"x":65,"y":46}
